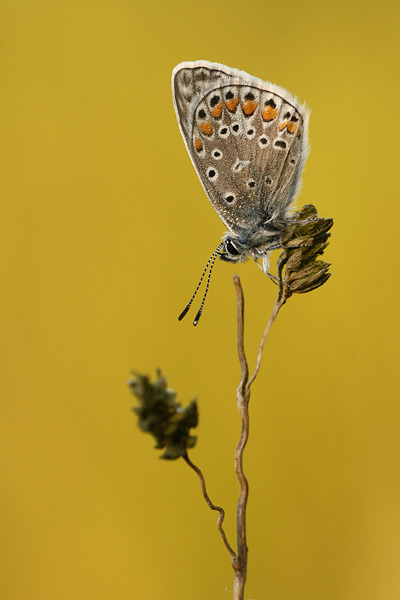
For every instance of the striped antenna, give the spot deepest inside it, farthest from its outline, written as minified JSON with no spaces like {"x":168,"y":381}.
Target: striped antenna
{"x":212,"y":261}
{"x":197,"y":317}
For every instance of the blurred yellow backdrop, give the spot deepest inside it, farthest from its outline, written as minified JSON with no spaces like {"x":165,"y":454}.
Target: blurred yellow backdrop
{"x":104,"y":232}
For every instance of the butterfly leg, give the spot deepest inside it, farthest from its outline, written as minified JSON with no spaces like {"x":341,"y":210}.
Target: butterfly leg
{"x":265,"y":266}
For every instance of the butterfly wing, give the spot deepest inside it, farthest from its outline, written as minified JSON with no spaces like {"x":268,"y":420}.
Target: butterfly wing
{"x":247,"y":140}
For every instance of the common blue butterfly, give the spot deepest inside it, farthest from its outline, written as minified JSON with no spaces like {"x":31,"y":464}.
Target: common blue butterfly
{"x":248,"y":141}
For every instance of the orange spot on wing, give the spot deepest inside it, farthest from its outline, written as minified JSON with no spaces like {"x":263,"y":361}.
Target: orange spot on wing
{"x":249,"y":107}
{"x":290,"y":125}
{"x":232,"y":104}
{"x":206,"y":128}
{"x":269,"y":113}
{"x":217,"y":111}
{"x":198,"y":144}
{"x":299,"y":133}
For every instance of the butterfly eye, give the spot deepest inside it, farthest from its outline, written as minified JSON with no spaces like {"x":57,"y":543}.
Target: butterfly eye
{"x":229,"y":198}
{"x":231,"y":248}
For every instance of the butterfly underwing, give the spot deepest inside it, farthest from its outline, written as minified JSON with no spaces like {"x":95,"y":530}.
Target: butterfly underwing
{"x":248,"y":141}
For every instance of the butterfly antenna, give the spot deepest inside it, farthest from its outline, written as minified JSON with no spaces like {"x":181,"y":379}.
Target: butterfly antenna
{"x":214,"y":256}
{"x":185,"y":310}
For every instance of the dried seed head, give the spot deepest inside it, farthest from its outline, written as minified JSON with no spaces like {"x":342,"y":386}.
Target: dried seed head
{"x":303,"y":241}
{"x":162,"y":416}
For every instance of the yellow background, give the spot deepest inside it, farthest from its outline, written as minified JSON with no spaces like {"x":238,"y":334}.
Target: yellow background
{"x":104,"y":231}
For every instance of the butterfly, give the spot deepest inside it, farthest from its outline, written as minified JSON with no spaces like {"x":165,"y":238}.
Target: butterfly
{"x":248,"y":141}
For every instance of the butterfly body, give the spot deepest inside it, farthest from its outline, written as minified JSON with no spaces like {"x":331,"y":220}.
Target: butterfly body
{"x":248,"y":141}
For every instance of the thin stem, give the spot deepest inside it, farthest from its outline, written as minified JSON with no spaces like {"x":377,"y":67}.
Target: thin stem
{"x":240,"y":333}
{"x":221,"y":511}
{"x":278,"y":305}
{"x":244,"y":486}
{"x":242,"y":397}
{"x":241,"y":569}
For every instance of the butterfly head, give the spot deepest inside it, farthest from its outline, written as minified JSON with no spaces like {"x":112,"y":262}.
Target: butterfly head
{"x":257,"y":244}
{"x":233,"y":250}
{"x":237,"y":248}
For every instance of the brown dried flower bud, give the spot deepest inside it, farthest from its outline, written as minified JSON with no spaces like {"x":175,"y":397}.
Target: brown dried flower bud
{"x":303,"y":241}
{"x":162,"y":416}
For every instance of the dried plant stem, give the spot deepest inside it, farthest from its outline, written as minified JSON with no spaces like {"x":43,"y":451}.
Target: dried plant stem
{"x":239,"y":559}
{"x":221,"y":511}
{"x":278,"y":305}
{"x":243,"y":397}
